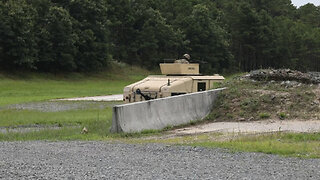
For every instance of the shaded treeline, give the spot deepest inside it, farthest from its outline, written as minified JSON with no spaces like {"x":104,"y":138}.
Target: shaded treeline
{"x":231,"y":35}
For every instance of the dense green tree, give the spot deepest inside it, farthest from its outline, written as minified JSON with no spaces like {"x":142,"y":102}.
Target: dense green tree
{"x":17,"y":35}
{"x":141,"y":34}
{"x":57,"y":42}
{"x":208,"y":41}
{"x":91,"y":26}
{"x":155,"y":38}
{"x":83,"y":35}
{"x":274,"y":7}
{"x":122,"y":30}
{"x":309,"y":14}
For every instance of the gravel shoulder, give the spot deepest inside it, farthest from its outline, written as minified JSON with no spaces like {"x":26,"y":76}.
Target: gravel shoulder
{"x":266,"y":126}
{"x":103,"y":160}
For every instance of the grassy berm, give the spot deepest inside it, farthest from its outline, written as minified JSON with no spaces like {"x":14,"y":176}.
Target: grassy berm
{"x":250,"y":100}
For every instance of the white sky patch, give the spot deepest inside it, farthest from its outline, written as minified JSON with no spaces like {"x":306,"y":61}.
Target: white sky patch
{"x":299,"y":3}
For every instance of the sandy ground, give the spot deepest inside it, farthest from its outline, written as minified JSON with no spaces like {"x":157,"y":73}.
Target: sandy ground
{"x":116,"y":97}
{"x":252,"y":127}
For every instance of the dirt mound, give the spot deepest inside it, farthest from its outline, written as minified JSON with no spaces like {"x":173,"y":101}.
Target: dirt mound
{"x":252,"y":100}
{"x":285,"y":75}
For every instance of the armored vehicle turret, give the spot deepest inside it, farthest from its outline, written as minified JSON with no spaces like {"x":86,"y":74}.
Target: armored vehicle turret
{"x":179,"y":77}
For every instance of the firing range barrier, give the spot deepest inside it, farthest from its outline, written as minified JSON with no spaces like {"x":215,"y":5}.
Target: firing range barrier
{"x":160,"y":113}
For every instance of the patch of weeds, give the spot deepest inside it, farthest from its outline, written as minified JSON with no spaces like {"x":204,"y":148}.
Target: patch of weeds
{"x":246,"y":102}
{"x":301,"y":137}
{"x":193,"y":123}
{"x":242,"y":113}
{"x":309,"y":93}
{"x":250,"y":104}
{"x":264,"y":115}
{"x":291,"y":106}
{"x":217,"y":85}
{"x":213,"y":115}
{"x":282,"y":115}
{"x":266,"y":98}
{"x":253,"y":105}
{"x":230,"y":116}
{"x":150,"y":131}
{"x":226,"y":106}
{"x":233,"y":92}
{"x":305,"y":95}
{"x":137,"y":134}
{"x":274,"y":87}
{"x":168,"y":128}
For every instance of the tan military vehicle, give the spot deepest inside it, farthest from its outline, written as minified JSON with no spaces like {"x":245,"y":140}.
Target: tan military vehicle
{"x":177,"y":78}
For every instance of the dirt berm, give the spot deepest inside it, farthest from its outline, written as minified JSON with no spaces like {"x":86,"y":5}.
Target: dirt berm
{"x":285,"y":75}
{"x":269,"y":94}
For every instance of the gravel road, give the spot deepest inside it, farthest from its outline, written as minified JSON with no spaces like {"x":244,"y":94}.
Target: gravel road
{"x":53,"y":106}
{"x":115,"y":97}
{"x":103,"y":160}
{"x":307,"y":126}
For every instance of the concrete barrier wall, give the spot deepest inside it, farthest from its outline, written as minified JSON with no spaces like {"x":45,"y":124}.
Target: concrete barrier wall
{"x":164,"y":112}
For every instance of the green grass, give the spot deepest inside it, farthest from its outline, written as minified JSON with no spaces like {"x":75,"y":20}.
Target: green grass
{"x":19,"y":91}
{"x":292,"y":144}
{"x":70,"y":123}
{"x":282,"y":115}
{"x":14,"y":118}
{"x":303,"y":145}
{"x":98,"y":130}
{"x":30,"y":87}
{"x":264,"y":115}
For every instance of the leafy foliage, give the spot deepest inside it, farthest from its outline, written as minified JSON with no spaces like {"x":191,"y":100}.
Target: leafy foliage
{"x":230,"y":35}
{"x":17,"y":42}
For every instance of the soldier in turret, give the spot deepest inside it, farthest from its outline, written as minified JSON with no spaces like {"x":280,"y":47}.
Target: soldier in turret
{"x":185,"y":59}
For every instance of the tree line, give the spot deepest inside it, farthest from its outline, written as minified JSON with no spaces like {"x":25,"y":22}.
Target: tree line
{"x":230,"y":35}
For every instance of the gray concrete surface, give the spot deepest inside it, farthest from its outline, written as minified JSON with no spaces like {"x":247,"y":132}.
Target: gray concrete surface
{"x":115,"y":97}
{"x":164,"y":112}
{"x":102,"y":160}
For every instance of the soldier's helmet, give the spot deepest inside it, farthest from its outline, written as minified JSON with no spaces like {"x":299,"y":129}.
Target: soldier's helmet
{"x":186,"y":56}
